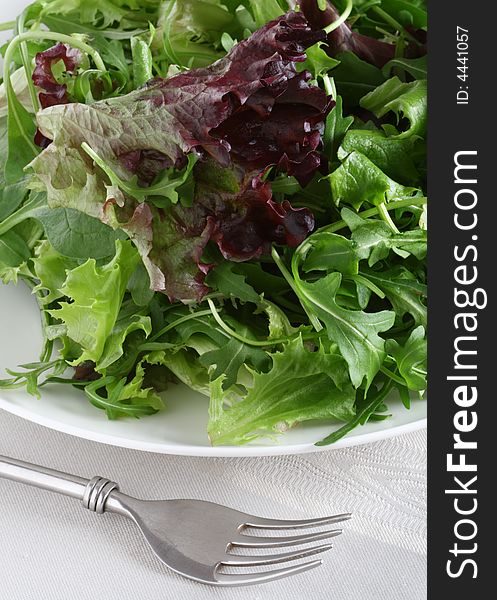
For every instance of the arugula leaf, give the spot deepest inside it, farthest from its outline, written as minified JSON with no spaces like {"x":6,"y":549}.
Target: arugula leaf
{"x":318,"y":62}
{"x":301,"y":385}
{"x":390,"y":154}
{"x":336,"y":128}
{"x":374,"y":239}
{"x":224,"y":279}
{"x":407,"y":100}
{"x":222,"y":353}
{"x":355,"y":332}
{"x":358,"y":180}
{"x":230,"y":357}
{"x":417,"y":67}
{"x":331,"y":252}
{"x":411,"y":358}
{"x":366,"y":408}
{"x":355,"y":77}
{"x":96,"y":294}
{"x":402,"y":289}
{"x":14,"y":252}
{"x":124,"y":398}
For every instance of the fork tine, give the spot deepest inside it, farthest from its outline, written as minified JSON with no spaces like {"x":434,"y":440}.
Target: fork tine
{"x":261,"y":523}
{"x":242,"y":561}
{"x":262,"y":577}
{"x":252,"y":541}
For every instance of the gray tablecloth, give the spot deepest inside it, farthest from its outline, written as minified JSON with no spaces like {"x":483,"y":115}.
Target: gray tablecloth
{"x":50,"y":548}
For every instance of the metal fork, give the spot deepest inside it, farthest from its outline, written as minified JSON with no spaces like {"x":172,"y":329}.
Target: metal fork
{"x":192,"y":537}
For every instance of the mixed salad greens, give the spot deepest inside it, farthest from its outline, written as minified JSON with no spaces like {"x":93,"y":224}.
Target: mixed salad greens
{"x":226,"y":193}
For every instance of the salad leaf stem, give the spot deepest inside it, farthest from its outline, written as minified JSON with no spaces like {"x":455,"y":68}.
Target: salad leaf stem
{"x":393,"y":376}
{"x":361,"y":417}
{"x":27,"y":211}
{"x":161,"y":332}
{"x":7,"y":26}
{"x":291,"y":282}
{"x":49,"y":35}
{"x":369,"y":284}
{"x":394,"y":23}
{"x":27,"y":63}
{"x":246,"y":340}
{"x":341,"y":20}
{"x":383,"y":212}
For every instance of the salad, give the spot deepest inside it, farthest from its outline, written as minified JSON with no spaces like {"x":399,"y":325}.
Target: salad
{"x":224,"y":193}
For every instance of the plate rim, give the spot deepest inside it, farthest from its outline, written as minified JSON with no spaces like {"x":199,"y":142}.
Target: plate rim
{"x":208,"y":451}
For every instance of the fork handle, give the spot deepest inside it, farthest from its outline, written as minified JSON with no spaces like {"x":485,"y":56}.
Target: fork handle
{"x":93,"y":493}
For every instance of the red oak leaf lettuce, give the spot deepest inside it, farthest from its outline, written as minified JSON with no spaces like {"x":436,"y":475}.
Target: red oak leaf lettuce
{"x":247,"y":112}
{"x":343,"y":39}
{"x":43,"y":77}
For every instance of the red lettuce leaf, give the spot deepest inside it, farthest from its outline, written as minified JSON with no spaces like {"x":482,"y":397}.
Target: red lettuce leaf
{"x":343,"y":39}
{"x":43,"y":77}
{"x":247,"y":112}
{"x":233,"y":209}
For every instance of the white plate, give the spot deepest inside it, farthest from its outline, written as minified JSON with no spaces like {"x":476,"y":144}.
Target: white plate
{"x":180,"y":429}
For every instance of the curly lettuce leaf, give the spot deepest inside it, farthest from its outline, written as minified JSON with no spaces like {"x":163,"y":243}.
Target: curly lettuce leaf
{"x":50,"y":268}
{"x":392,"y":155}
{"x":250,"y":95}
{"x":407,"y":100}
{"x":358,"y":180}
{"x":96,"y":295}
{"x":300,"y":386}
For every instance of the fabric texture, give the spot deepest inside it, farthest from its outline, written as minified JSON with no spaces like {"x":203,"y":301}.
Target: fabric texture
{"x":51,"y":548}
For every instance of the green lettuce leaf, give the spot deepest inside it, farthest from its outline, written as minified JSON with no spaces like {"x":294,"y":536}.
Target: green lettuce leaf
{"x":301,"y":385}
{"x":390,"y":154}
{"x":96,"y":294}
{"x":359,"y":180}
{"x":408,"y":100}
{"x":51,"y":268}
